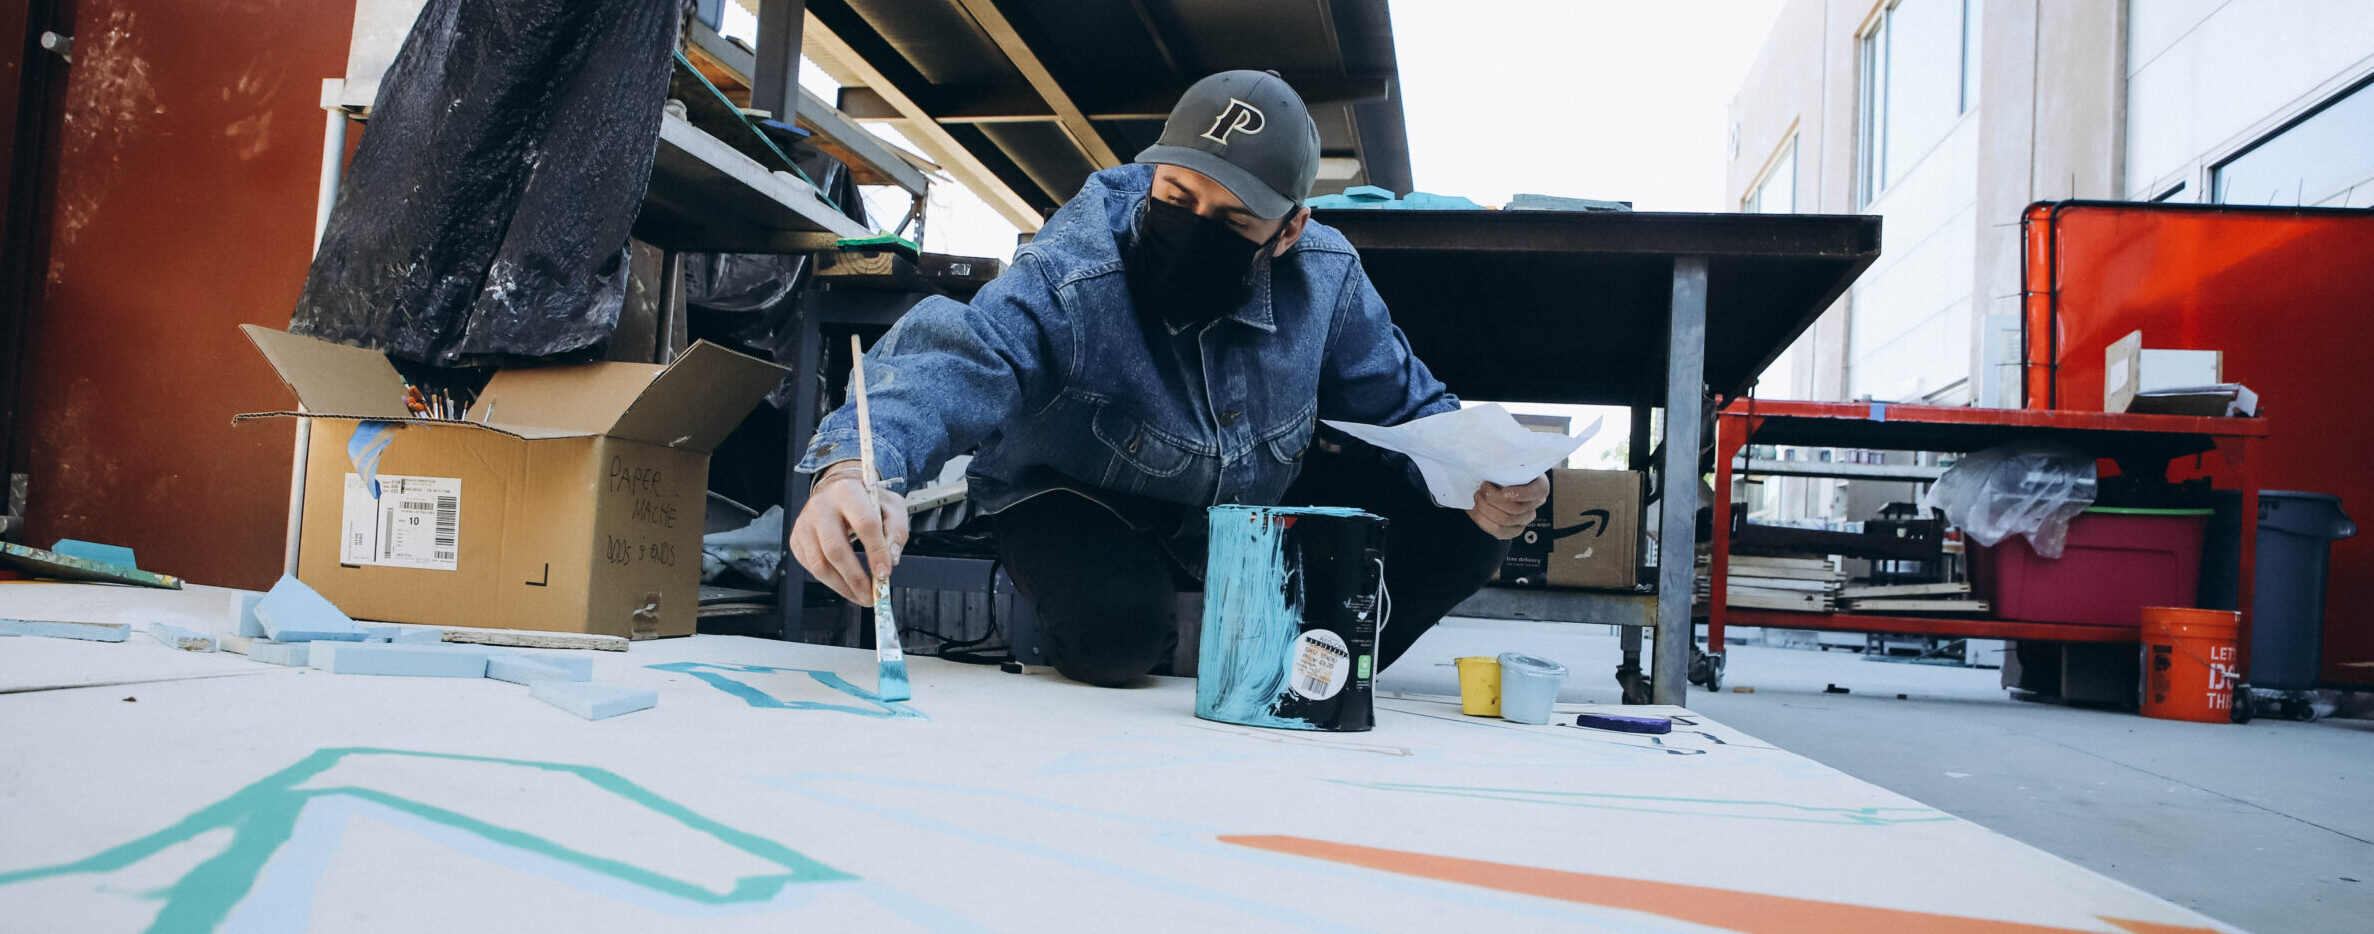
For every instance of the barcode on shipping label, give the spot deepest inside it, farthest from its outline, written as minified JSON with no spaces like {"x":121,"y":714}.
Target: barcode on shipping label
{"x":415,"y":523}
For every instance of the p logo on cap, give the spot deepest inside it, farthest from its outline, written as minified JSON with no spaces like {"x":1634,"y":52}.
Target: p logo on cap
{"x":1237,"y":117}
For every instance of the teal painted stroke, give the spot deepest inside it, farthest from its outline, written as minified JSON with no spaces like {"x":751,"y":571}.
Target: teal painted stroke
{"x":1703,"y":807}
{"x":262,"y":817}
{"x":717,"y":676}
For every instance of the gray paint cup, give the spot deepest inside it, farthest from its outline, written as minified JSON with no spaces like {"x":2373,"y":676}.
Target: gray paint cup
{"x":1529,"y":687}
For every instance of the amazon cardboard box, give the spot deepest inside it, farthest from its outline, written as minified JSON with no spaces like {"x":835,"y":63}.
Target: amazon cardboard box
{"x":1587,"y":535}
{"x":571,"y":500}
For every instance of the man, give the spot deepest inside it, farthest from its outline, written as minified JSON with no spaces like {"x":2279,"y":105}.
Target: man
{"x":1166,"y":343}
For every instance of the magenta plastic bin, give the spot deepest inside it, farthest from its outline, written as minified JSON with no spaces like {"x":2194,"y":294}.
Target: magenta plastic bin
{"x":2117,"y":562}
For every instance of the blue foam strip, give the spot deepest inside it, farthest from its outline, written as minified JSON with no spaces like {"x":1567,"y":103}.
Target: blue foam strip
{"x":415,"y":661}
{"x":91,"y":632}
{"x":519,"y":670}
{"x":572,"y":667}
{"x":293,"y":612}
{"x":292,"y":654}
{"x":593,"y":701}
{"x":96,"y":551}
{"x":418,"y":635}
{"x":187,"y":640}
{"x":380,"y":632}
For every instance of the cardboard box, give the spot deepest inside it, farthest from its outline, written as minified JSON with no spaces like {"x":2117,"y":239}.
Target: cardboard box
{"x":1586,"y":536}
{"x":571,"y":501}
{"x":2129,"y":370}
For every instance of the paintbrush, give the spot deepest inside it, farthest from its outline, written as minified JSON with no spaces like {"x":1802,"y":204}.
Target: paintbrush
{"x":892,"y":683}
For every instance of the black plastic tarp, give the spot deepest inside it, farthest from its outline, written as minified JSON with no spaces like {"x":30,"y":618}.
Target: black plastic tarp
{"x":487,"y":209}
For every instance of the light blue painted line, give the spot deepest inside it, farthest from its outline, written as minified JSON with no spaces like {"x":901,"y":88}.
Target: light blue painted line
{"x":293,"y":612}
{"x":714,"y":674}
{"x":370,"y":440}
{"x":593,"y":701}
{"x":88,"y":632}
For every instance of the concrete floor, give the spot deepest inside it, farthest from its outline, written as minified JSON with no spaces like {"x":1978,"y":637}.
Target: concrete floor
{"x":2266,"y":826}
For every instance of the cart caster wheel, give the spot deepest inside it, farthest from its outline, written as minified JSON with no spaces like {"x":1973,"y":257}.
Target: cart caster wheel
{"x":2298,"y":709}
{"x":2240,"y":711}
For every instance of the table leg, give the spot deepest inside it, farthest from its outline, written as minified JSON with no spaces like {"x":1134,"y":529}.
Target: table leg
{"x":1677,"y":538}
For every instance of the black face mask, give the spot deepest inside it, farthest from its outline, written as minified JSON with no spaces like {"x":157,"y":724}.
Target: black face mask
{"x":1190,"y":269}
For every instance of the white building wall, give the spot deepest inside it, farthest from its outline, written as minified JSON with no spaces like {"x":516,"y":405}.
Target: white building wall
{"x":2206,"y":78}
{"x":1910,"y":332}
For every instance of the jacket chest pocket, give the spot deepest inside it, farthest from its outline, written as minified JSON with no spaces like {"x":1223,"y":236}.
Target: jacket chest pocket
{"x":1142,"y":460}
{"x":1290,"y":437}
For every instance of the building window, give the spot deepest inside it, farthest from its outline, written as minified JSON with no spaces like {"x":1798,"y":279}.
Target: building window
{"x":1919,"y":75}
{"x":2324,"y":158}
{"x":1777,"y":192}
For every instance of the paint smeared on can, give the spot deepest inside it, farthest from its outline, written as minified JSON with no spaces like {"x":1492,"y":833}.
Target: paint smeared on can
{"x":1290,"y":617}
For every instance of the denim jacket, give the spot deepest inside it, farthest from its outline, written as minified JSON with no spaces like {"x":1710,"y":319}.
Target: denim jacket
{"x":1050,"y":370}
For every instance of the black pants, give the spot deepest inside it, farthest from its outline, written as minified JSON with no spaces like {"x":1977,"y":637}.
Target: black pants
{"x":1106,"y":593}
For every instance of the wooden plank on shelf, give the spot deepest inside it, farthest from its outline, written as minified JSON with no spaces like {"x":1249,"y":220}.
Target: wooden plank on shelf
{"x":1919,"y":606}
{"x":1872,"y":591}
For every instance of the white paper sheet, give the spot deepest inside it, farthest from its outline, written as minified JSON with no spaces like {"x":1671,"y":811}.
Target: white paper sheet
{"x":1457,"y":451}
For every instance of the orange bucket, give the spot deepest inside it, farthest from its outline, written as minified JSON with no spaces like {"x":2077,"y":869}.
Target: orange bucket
{"x":2189,"y":663}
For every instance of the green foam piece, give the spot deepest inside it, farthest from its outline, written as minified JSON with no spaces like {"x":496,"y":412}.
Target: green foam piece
{"x":96,"y":551}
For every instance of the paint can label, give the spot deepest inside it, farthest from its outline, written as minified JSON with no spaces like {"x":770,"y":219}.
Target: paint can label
{"x":1321,"y":661}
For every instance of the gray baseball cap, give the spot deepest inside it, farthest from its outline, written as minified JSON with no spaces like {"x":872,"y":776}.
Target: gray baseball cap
{"x":1251,"y":133}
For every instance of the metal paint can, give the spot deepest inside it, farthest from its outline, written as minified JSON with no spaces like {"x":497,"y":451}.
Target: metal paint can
{"x":1293,"y":602}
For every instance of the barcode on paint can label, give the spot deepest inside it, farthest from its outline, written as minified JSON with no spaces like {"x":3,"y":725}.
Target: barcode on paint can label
{"x":416,"y":522}
{"x":1322,"y":664}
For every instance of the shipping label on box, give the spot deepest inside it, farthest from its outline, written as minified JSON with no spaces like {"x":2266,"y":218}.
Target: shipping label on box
{"x":1586,"y":536}
{"x":414,"y":522}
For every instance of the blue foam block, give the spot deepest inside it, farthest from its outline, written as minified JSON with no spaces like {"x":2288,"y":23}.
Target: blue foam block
{"x":292,"y":612}
{"x":523,"y":669}
{"x":249,"y":625}
{"x":379,"y":632}
{"x":93,"y":632}
{"x":417,"y":661}
{"x":292,"y":654}
{"x":418,"y":635}
{"x":187,"y":640}
{"x":96,"y":551}
{"x":593,"y":701}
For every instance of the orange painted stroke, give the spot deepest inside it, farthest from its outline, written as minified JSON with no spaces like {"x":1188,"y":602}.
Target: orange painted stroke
{"x":1722,"y":908}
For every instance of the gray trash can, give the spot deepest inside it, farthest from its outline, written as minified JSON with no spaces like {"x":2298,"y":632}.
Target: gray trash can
{"x":2296,"y":534}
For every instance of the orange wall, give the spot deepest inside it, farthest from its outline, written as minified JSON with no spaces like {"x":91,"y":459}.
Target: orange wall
{"x":189,"y":157}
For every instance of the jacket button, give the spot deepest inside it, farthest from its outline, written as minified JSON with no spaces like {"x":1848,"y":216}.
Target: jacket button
{"x":1136,"y":442}
{"x":1229,"y":417}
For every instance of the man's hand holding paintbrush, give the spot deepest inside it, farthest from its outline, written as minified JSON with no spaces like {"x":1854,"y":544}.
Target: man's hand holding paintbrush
{"x":844,"y":507}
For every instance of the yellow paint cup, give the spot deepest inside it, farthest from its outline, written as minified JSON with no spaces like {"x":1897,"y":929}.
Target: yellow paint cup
{"x":1479,"y":685}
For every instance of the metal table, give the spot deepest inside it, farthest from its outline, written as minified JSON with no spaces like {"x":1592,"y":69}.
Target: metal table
{"x":1523,"y":306}
{"x":1671,"y":311}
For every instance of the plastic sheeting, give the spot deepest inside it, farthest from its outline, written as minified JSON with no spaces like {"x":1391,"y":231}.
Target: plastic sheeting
{"x":487,"y":209}
{"x":2017,"y":489}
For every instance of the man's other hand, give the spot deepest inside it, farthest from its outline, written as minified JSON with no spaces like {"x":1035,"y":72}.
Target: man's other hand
{"x":1503,"y":511}
{"x":839,"y":511}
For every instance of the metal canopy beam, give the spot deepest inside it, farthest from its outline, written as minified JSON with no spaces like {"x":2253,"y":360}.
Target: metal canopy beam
{"x":1075,"y":122}
{"x":1020,"y":103}
{"x":824,"y":43}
